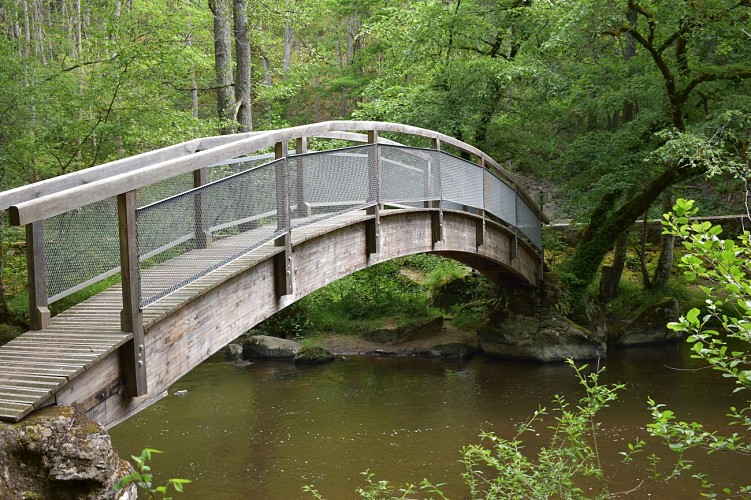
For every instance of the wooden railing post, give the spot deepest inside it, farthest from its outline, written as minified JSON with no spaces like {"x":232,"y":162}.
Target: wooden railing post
{"x":283,"y":260}
{"x":303,"y":208}
{"x":133,"y":353}
{"x":437,"y":216}
{"x":480,"y":238}
{"x":39,"y":314}
{"x":203,"y":235}
{"x":373,"y":226}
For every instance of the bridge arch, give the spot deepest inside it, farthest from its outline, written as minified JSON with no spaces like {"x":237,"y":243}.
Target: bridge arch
{"x":245,"y":237}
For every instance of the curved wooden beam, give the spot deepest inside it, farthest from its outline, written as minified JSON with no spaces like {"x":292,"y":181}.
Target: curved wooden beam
{"x":153,"y":169}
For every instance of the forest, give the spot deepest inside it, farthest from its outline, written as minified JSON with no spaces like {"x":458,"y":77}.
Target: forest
{"x":606,"y":110}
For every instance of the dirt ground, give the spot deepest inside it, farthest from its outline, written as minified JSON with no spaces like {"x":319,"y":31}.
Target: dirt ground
{"x":353,"y":344}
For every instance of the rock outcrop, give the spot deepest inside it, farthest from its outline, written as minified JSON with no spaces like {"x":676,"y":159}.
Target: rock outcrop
{"x":453,"y":350}
{"x":401,"y":334}
{"x":313,"y":355}
{"x":530,"y":327}
{"x":650,"y":327}
{"x":266,"y":347}
{"x":62,"y":454}
{"x":233,"y":352}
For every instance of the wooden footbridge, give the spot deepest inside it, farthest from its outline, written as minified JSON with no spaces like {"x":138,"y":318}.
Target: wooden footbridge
{"x":210,"y":237}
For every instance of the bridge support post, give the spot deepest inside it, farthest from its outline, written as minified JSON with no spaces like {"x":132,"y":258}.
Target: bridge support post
{"x":39,"y":313}
{"x":514,"y":246}
{"x":373,"y":226}
{"x":480,"y":234}
{"x":303,"y":209}
{"x":203,"y":235}
{"x":436,"y":217}
{"x":133,"y":355}
{"x":283,"y":260}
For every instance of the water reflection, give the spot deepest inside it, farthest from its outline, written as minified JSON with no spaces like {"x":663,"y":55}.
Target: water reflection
{"x":265,"y":430}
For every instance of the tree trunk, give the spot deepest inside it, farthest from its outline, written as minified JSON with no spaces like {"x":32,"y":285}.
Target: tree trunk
{"x":667,"y":244}
{"x":610,"y":279}
{"x":646,"y":282}
{"x":3,"y":303}
{"x":223,"y":63}
{"x":266,"y":70}
{"x":242,"y":51}
{"x":288,"y":34}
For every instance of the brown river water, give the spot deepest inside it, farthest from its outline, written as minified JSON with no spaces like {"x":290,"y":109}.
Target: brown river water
{"x":265,"y":430}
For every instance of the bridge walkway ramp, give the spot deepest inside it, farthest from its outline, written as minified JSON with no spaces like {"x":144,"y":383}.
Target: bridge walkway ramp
{"x":37,"y":364}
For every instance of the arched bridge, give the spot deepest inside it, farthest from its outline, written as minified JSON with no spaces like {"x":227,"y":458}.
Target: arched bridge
{"x":210,"y":237}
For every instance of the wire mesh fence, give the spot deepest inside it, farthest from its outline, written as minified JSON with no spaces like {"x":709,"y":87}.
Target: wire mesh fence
{"x":461,"y":182}
{"x":196,"y":232}
{"x":324,"y":184}
{"x":409,"y":175}
{"x":81,"y":247}
{"x":190,"y":231}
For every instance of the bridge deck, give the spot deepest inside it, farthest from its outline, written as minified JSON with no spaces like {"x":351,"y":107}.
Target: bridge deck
{"x":37,"y":364}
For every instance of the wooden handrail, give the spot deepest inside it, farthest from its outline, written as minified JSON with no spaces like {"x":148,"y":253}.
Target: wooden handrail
{"x":46,"y":204}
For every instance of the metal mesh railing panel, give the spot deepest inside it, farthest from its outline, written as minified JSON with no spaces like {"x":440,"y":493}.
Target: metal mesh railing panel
{"x":408,"y":175}
{"x":81,"y":247}
{"x":461,"y":181}
{"x":528,"y":222}
{"x":164,"y":189}
{"x":243,"y":205}
{"x":329,"y":183}
{"x":238,"y":210}
{"x":500,"y":199}
{"x":233,"y":167}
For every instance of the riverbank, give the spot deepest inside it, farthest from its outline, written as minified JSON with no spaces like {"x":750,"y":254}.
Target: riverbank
{"x":350,"y":345}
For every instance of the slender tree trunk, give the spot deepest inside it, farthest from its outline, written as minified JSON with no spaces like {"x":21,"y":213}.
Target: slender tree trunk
{"x":266,"y":70}
{"x":3,"y":303}
{"x":610,"y":279}
{"x":288,"y":35}
{"x":643,"y":251}
{"x":223,"y":63}
{"x":667,"y":245}
{"x":242,"y":52}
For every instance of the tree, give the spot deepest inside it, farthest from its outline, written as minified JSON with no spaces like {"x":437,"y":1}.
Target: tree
{"x":242,"y":81}
{"x":724,"y":265}
{"x":693,"y":53}
{"x":225,"y":98}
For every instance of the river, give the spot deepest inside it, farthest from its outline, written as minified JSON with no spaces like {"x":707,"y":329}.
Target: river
{"x":263,"y":431}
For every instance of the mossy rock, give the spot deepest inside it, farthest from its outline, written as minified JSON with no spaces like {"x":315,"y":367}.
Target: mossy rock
{"x":313,"y":355}
{"x":401,"y":334}
{"x":453,"y":350}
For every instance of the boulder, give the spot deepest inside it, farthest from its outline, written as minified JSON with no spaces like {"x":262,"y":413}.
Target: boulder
{"x":265,"y":347}
{"x":401,"y":334}
{"x":530,"y":326}
{"x":60,"y":453}
{"x":233,"y":352}
{"x":454,"y":350}
{"x":549,"y":338}
{"x":650,"y":327}
{"x":313,"y":355}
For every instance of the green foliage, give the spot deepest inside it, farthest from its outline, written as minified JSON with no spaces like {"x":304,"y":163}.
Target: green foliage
{"x":399,"y":289}
{"x":507,"y":468}
{"x":384,"y":490}
{"x":143,"y":478}
{"x":503,"y":469}
{"x":725,"y":267}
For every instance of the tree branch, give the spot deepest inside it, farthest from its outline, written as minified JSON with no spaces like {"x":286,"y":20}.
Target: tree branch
{"x":710,"y":77}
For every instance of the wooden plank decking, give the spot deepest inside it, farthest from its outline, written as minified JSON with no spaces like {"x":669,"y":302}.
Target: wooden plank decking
{"x":34,"y":366}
